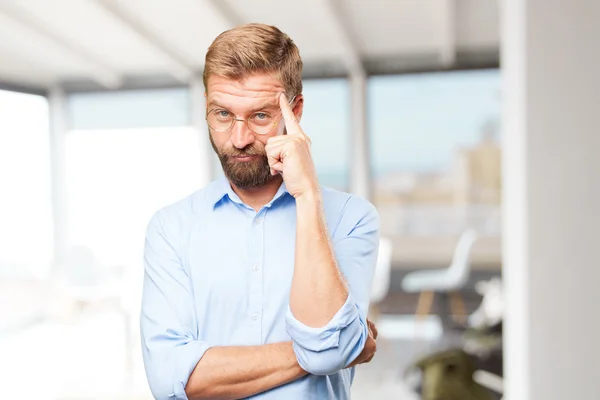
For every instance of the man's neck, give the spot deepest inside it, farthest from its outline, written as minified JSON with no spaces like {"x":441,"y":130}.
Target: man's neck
{"x":258,"y":197}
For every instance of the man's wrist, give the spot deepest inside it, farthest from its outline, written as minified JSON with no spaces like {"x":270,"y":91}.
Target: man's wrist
{"x":310,"y":198}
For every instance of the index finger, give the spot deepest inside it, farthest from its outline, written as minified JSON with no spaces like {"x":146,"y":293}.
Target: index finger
{"x":291,"y":123}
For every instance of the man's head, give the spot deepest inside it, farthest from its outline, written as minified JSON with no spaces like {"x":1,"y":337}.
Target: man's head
{"x":245,"y":71}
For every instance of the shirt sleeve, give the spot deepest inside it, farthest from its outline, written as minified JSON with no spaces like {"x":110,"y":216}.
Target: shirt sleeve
{"x":170,"y":346}
{"x":326,"y":350}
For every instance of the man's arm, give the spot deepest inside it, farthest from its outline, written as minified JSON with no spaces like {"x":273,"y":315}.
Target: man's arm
{"x":318,"y":289}
{"x":242,"y":371}
{"x":327,"y":319}
{"x":181,"y":366}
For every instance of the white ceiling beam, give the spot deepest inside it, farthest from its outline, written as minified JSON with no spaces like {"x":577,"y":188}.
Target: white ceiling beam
{"x":227,"y":13}
{"x":100,"y":72}
{"x":339,"y":21}
{"x":179,"y":67}
{"x":448,"y":33}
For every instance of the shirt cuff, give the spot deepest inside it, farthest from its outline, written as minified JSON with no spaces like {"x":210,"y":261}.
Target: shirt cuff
{"x":324,"y":338}
{"x":189,"y":355}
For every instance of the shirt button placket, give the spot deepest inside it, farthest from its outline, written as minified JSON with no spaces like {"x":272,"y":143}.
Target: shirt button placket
{"x":256,"y":306}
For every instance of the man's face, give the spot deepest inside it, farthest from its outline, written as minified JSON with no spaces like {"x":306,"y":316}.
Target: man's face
{"x":240,"y":150}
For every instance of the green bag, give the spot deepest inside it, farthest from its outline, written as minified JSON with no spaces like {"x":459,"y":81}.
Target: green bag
{"x":448,"y":375}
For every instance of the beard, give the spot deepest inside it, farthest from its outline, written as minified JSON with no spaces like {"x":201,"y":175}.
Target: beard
{"x":245,"y":175}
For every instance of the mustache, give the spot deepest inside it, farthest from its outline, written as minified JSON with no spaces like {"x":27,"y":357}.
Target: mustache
{"x":246,"y":151}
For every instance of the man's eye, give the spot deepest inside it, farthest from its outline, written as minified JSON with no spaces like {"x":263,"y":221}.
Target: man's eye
{"x":223,"y":113}
{"x":262,"y":117}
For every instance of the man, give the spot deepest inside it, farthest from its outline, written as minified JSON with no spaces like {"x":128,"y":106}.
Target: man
{"x":258,"y":284}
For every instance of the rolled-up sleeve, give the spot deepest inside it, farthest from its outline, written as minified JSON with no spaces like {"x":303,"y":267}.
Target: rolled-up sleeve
{"x":328,"y":349}
{"x":170,"y":347}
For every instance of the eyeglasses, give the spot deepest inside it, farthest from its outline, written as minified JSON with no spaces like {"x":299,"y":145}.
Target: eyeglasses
{"x":261,"y":122}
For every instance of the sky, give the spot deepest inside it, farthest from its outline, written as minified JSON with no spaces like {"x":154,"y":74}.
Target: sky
{"x":416,"y":121}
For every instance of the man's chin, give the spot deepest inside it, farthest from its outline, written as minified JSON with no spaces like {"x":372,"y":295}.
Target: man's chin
{"x":247,"y":172}
{"x":249,"y":181}
{"x":248,"y":184}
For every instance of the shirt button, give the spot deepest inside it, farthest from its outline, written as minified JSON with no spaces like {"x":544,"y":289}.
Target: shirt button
{"x":255,"y":267}
{"x":257,"y":221}
{"x":255,"y":316}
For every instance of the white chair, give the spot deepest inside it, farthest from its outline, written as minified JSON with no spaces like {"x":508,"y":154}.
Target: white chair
{"x":448,"y":280}
{"x":491,"y":310}
{"x":381,"y":280}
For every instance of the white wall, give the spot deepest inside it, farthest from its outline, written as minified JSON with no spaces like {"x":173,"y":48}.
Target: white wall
{"x":551,"y":62}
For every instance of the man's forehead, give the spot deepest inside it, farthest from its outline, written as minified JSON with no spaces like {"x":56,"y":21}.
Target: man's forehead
{"x":242,"y":99}
{"x":260,"y":88}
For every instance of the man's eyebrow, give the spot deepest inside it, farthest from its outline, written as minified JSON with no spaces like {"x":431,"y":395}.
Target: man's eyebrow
{"x":266,"y":105}
{"x":214,"y":103}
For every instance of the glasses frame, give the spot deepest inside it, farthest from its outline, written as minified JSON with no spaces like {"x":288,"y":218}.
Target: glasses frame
{"x":236,"y":119}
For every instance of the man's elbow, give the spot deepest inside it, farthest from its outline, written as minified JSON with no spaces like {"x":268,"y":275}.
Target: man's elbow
{"x":329,"y":350}
{"x":170,"y":370}
{"x":162,"y":389}
{"x":332,"y":360}
{"x":322,"y":363}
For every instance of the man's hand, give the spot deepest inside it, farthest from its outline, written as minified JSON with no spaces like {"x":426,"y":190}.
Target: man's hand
{"x":370,"y":346}
{"x":290,"y":155}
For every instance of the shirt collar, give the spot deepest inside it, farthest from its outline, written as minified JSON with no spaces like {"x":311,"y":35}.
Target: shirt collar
{"x":222,"y":189}
{"x":218,"y":190}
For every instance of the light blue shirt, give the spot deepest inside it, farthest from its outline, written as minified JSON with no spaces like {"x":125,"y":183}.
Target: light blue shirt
{"x":217,"y":273}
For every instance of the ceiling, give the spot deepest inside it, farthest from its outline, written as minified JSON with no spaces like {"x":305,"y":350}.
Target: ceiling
{"x":111,"y":44}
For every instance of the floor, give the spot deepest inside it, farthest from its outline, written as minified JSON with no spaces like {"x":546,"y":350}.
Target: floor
{"x":84,"y":359}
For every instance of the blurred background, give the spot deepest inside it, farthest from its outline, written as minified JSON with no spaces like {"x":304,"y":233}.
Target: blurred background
{"x":102,"y":123}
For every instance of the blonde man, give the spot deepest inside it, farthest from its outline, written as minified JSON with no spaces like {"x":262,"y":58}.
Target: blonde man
{"x":257,"y":286}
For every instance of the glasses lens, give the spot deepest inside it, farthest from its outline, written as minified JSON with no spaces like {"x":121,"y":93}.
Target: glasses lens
{"x":261,"y":122}
{"x":220,"y":120}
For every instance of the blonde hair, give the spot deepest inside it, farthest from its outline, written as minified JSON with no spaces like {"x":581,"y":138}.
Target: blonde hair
{"x":254,"y":49}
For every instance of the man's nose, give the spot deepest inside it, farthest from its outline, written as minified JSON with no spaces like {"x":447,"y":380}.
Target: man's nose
{"x":241,"y":135}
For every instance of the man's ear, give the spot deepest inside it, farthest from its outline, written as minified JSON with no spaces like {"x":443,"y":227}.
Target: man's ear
{"x":298,"y":107}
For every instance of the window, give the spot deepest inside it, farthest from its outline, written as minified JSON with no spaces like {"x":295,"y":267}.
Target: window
{"x":436,"y":152}
{"x":129,"y":154}
{"x":326,"y":119}
{"x":129,"y":109}
{"x":117,"y":179}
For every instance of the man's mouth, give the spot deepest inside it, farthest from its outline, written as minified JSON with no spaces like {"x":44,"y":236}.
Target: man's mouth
{"x":244,"y":157}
